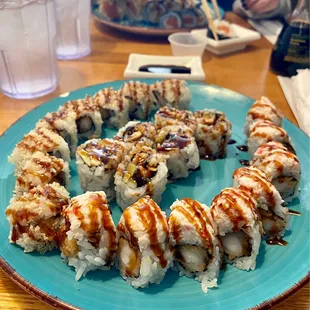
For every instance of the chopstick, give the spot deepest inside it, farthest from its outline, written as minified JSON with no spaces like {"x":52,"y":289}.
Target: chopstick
{"x":207,"y":11}
{"x":216,"y":9}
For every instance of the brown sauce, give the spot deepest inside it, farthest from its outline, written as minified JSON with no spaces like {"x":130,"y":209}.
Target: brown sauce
{"x":104,"y":151}
{"x":46,"y":227}
{"x":244,"y":162}
{"x":57,"y":203}
{"x":148,"y":219}
{"x":18,"y":230}
{"x":231,"y":206}
{"x":143,"y":175}
{"x":196,"y":216}
{"x":95,"y":221}
{"x":174,"y":141}
{"x":242,"y":148}
{"x":150,"y":188}
{"x":37,"y":141}
{"x":201,"y":216}
{"x":149,"y":214}
{"x":276,"y":241}
{"x":175,"y":228}
{"x":263,"y":105}
{"x":163,"y":86}
{"x":293,"y":212}
{"x":259,"y":180}
{"x":278,"y":164}
{"x":196,"y":169}
{"x":209,"y":157}
{"x":231,"y":141}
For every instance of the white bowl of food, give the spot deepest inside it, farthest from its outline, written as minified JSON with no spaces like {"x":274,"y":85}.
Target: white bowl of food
{"x":232,"y":37}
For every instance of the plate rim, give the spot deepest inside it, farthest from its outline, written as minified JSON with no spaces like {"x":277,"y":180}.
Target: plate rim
{"x":62,"y":305}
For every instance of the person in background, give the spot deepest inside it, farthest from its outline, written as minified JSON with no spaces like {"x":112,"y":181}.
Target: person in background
{"x":264,"y":9}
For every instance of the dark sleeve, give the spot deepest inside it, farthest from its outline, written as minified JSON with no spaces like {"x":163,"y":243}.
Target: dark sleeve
{"x":226,"y":4}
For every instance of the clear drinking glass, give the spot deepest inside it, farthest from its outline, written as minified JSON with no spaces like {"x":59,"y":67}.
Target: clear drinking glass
{"x":28,"y":63}
{"x":73,"y":28}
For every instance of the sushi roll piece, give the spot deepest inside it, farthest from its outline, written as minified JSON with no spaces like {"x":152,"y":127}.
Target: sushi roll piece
{"x":63,"y":123}
{"x":235,"y":212}
{"x":212,"y":134}
{"x":224,"y":30}
{"x":274,"y":217}
{"x":42,"y":169}
{"x":172,"y":93}
{"x":189,"y":18}
{"x":42,"y":140}
{"x":262,"y":132}
{"x":281,"y":167}
{"x":166,"y":116}
{"x":153,"y":11}
{"x":143,"y":172}
{"x":97,"y":161}
{"x":144,"y":254}
{"x":193,"y":234}
{"x":171,"y":20}
{"x":89,"y":239}
{"x":141,"y":103}
{"x":114,"y":107}
{"x":178,"y":143}
{"x":262,"y":109}
{"x":134,"y":10}
{"x":35,"y":217}
{"x":88,"y":117}
{"x":112,"y":10}
{"x":135,"y":132}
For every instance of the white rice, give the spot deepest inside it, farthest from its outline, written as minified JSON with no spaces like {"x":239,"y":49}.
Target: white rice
{"x":88,"y":257}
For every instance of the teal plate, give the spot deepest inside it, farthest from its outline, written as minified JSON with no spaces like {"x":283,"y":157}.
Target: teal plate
{"x":280,"y":270}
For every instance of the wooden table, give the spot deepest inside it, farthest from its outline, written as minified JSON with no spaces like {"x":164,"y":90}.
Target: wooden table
{"x":246,"y":72}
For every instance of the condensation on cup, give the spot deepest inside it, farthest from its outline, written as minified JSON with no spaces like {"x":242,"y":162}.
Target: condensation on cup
{"x":73,"y":28}
{"x":28,"y":63}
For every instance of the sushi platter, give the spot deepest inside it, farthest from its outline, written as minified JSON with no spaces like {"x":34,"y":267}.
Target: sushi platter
{"x":155,"y":18}
{"x":129,"y":192}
